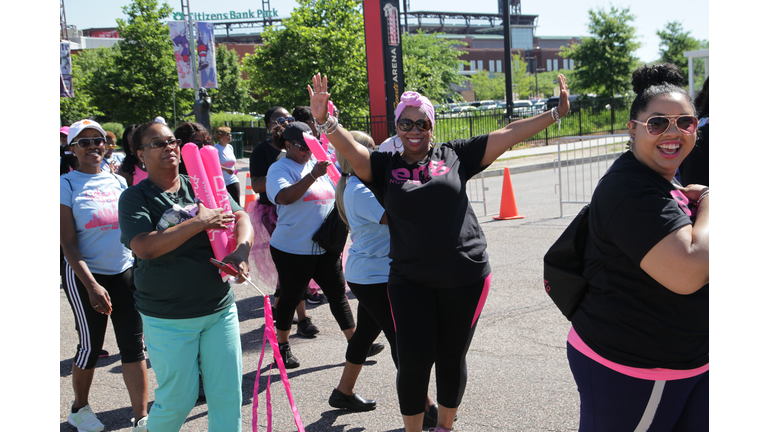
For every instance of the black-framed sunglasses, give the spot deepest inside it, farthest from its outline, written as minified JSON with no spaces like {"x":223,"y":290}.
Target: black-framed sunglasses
{"x":407,"y":124}
{"x":303,"y":147}
{"x":657,"y":125}
{"x":284,"y":120}
{"x":160,"y":144}
{"x":86,"y":142}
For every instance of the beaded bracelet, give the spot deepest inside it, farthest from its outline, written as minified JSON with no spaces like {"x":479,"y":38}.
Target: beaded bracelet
{"x":555,"y":116}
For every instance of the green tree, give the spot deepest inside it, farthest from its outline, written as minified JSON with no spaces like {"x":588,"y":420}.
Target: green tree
{"x":521,"y":80}
{"x":140,"y":85}
{"x":487,"y":87}
{"x":605,"y":60}
{"x":674,"y":42}
{"x":232,"y":94}
{"x":84,"y":65}
{"x":324,"y":36}
{"x":430,"y":66}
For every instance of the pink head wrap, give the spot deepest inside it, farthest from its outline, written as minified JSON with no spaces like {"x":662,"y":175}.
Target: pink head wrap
{"x":411,"y":98}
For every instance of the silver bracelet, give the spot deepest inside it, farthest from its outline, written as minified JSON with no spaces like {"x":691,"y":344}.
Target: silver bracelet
{"x":313,"y":177}
{"x":703,"y":195}
{"x":329,"y":122}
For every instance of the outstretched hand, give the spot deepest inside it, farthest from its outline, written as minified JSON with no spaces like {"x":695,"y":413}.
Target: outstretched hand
{"x":318,"y":98}
{"x":564,"y":104}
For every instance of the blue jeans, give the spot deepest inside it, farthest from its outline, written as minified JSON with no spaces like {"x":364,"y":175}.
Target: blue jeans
{"x":179,"y":350}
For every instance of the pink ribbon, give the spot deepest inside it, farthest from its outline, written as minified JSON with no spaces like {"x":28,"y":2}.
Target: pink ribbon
{"x":271,"y":335}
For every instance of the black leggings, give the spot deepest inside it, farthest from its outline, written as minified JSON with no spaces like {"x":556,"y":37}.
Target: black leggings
{"x":373,"y":316}
{"x":295,"y":271}
{"x":91,"y":326}
{"x":234,"y":191}
{"x":434,"y":326}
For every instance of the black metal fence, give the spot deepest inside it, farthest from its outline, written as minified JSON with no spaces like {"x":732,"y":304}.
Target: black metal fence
{"x":589,"y":116}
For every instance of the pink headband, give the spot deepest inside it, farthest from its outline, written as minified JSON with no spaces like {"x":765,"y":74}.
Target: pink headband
{"x":411,"y":98}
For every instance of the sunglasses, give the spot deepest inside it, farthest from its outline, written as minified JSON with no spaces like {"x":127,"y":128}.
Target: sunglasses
{"x":283,"y":120}
{"x":658,"y":125}
{"x":407,"y":124}
{"x":86,"y":142}
{"x":302,"y":147}
{"x":172,"y":143}
{"x":201,"y":143}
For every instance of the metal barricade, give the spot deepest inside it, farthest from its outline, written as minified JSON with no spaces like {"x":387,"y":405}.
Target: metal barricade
{"x":475,"y":189}
{"x":581,"y":162}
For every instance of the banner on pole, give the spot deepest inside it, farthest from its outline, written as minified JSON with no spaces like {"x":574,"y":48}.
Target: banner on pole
{"x":206,"y":55}
{"x":393,"y":56}
{"x":65,"y":71}
{"x":181,"y":53}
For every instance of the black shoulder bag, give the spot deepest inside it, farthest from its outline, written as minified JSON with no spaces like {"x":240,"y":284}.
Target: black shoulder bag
{"x":332,"y":234}
{"x":564,"y":278}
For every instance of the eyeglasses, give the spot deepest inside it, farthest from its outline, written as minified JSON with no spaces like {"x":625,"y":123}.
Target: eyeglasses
{"x":658,"y":125}
{"x":302,"y":147}
{"x":172,"y":143}
{"x":283,"y":120}
{"x":86,"y":142}
{"x":201,"y":143}
{"x":407,"y":124}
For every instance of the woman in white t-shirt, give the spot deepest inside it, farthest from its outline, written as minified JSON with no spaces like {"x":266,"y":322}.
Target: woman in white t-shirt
{"x":98,"y":275}
{"x":304,"y":196}
{"x":228,"y":161}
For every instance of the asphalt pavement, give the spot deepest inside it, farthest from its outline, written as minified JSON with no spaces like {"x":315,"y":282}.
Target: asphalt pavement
{"x":519,"y":379}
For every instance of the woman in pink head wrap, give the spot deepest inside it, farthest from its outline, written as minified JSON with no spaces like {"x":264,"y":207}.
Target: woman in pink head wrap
{"x":439,"y":274}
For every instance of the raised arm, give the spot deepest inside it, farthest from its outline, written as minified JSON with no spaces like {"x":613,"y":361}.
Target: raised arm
{"x":501,"y":140}
{"x":342,"y":140}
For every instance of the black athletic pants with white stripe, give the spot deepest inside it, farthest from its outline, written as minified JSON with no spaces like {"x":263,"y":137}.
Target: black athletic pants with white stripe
{"x":91,"y":326}
{"x":614,"y":402}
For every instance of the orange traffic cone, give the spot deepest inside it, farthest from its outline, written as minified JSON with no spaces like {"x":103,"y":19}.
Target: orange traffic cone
{"x":508,"y":206}
{"x":250,"y":196}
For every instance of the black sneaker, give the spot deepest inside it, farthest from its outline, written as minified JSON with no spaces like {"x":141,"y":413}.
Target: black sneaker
{"x":316,"y":298}
{"x":375,"y":349}
{"x":306,"y":328}
{"x":290,"y":361}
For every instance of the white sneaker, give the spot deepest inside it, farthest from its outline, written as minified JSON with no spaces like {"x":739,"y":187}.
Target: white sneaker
{"x":85,"y":420}
{"x":141,"y":425}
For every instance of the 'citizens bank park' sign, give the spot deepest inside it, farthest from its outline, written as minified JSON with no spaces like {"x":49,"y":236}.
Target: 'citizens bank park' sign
{"x":202,"y":16}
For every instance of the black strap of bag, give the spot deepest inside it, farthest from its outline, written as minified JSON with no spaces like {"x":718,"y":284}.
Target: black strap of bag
{"x":332,"y":234}
{"x":565,"y":281}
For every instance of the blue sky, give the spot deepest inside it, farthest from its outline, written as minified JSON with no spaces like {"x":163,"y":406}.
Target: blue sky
{"x":556,"y":17}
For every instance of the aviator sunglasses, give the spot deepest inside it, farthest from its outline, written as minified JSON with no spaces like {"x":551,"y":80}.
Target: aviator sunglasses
{"x":86,"y":142}
{"x":407,"y":124}
{"x":658,"y":125}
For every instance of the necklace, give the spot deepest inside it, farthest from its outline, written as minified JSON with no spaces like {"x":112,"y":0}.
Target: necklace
{"x":172,"y":196}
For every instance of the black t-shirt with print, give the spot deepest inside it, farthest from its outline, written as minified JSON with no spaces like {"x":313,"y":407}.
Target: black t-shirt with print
{"x":262,"y":157}
{"x":436,"y":239}
{"x":628,"y":317}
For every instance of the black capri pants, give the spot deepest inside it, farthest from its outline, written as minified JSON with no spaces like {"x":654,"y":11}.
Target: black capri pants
{"x":434,"y":326}
{"x":373,"y":316}
{"x":91,"y":326}
{"x":294,"y":272}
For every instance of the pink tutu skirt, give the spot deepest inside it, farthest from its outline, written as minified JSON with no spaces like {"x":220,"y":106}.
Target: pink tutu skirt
{"x":264,"y":219}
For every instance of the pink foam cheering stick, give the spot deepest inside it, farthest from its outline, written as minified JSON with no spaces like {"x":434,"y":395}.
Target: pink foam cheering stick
{"x":321,"y":155}
{"x":203,"y":191}
{"x":212,"y":165}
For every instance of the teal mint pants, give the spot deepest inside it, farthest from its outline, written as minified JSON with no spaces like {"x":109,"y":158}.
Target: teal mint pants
{"x":179,"y":350}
